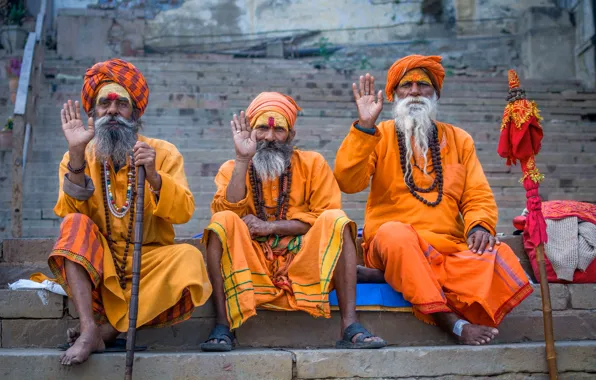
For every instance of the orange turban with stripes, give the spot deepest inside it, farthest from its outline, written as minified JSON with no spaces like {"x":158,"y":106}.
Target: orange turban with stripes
{"x":117,"y":71}
{"x":273,"y":102}
{"x":432,"y":65}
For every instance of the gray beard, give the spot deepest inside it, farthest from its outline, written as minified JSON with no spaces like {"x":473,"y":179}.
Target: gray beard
{"x":413,"y":117}
{"x":271,"y":159}
{"x":114,"y":142}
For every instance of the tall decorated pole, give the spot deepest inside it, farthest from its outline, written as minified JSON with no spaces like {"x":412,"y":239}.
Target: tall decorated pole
{"x":521,"y":139}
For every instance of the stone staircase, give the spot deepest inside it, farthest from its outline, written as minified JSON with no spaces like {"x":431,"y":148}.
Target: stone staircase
{"x":192,"y":101}
{"x":280,"y":345}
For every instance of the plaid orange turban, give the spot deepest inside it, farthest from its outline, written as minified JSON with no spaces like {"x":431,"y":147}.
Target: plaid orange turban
{"x":273,"y":102}
{"x":118,"y":71}
{"x":432,"y":65}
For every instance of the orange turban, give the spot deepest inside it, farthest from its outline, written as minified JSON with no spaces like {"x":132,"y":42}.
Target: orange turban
{"x":118,"y":71}
{"x":273,"y":102}
{"x":432,"y":65}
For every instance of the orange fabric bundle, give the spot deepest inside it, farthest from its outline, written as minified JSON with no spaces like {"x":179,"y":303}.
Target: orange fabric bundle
{"x":118,"y":71}
{"x":273,"y":102}
{"x":432,"y":64}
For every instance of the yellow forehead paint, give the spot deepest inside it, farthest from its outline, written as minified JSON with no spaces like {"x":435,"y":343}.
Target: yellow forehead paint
{"x":112,"y":91}
{"x":415,"y":75}
{"x":270,"y":119}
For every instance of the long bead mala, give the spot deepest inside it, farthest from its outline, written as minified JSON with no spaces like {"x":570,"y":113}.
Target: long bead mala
{"x":120,"y":270}
{"x":283,"y":199}
{"x":437,"y":183}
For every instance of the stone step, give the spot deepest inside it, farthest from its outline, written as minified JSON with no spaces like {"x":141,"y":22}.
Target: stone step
{"x":499,"y":362}
{"x":40,"y":319}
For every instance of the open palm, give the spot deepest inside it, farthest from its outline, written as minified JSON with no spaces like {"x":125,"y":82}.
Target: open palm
{"x":369,"y":105}
{"x":245,"y":142}
{"x":74,"y":130}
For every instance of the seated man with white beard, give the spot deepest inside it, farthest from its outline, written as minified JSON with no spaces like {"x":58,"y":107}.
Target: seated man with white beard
{"x":92,"y":257}
{"x":430,"y":217}
{"x":278,"y":239}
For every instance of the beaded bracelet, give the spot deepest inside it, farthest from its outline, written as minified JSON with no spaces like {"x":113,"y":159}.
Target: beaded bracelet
{"x":77,"y":171}
{"x":155,"y":192}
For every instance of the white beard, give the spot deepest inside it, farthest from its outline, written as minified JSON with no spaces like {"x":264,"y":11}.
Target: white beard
{"x":413,"y":116}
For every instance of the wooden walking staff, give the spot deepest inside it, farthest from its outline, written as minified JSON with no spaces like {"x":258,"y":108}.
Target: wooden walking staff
{"x":136,"y":274}
{"x":521,"y":138}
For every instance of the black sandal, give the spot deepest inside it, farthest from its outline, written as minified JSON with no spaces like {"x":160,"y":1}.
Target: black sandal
{"x":351,"y":331}
{"x":221,"y":333}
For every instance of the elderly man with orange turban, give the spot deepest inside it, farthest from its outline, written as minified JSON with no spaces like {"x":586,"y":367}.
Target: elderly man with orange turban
{"x":278,"y":239}
{"x":92,"y":258}
{"x":431,"y":216}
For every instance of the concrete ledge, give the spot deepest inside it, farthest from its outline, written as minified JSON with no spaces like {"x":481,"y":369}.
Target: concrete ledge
{"x":239,"y":364}
{"x":440,"y":361}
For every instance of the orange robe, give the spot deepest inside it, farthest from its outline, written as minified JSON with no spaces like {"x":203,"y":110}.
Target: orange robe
{"x":174,"y":279}
{"x":250,"y":274}
{"x":431,"y":241}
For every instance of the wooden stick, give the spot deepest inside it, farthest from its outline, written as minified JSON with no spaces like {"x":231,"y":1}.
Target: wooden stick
{"x":136,"y":274}
{"x":547,"y":316}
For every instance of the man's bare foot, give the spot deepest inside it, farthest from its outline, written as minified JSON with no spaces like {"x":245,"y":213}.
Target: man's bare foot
{"x":369,"y":275}
{"x":88,"y":342}
{"x":107,"y":332}
{"x":476,"y":334}
{"x":470,"y":334}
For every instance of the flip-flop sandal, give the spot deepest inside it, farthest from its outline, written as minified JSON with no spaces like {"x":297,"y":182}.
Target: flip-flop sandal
{"x":221,"y":333}
{"x":351,"y":331}
{"x":118,"y":345}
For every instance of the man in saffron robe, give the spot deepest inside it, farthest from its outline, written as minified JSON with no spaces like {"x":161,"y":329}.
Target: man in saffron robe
{"x":430,"y":217}
{"x":92,"y":258}
{"x":278,"y":239}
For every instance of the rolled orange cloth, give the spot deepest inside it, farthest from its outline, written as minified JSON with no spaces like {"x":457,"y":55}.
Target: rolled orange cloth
{"x":273,"y":102}
{"x":118,"y":71}
{"x":431,"y":63}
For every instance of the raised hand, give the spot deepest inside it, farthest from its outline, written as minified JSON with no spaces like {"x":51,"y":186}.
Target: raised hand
{"x":74,"y":130}
{"x":369,"y":105}
{"x":244,"y":138}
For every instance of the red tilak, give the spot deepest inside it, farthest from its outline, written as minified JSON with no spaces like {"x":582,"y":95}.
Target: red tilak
{"x":113,"y":96}
{"x":271,"y":122}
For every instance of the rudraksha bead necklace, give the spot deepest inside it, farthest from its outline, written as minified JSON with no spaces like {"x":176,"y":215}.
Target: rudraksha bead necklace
{"x":118,"y":212}
{"x":283,"y":198}
{"x":131,"y":194}
{"x":435,"y":150}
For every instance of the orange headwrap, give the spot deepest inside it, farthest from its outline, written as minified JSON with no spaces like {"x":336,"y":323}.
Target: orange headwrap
{"x":432,"y":65}
{"x":118,"y":71}
{"x":273,"y":102}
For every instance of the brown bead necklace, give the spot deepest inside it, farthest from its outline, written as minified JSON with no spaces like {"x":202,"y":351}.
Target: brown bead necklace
{"x":435,"y":149}
{"x":120,"y":270}
{"x":283,"y":199}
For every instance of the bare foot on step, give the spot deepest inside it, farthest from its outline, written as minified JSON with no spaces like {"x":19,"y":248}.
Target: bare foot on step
{"x":467,"y":333}
{"x":88,"y":342}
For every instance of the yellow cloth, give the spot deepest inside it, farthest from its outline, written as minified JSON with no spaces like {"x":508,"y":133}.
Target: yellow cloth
{"x":315,"y":199}
{"x":176,"y":206}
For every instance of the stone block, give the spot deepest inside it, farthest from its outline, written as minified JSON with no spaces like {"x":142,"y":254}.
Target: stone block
{"x":33,"y":332}
{"x":567,"y":325}
{"x":27,"y":250}
{"x":547,"y":46}
{"x":187,"y":335}
{"x":97,"y":34}
{"x":13,"y":272}
{"x":559,"y":299}
{"x":238,"y":364}
{"x":583,"y":296}
{"x":30,"y":304}
{"x":436,"y":362}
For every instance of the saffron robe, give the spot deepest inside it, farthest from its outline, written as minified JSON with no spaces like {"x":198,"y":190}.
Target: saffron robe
{"x":174,"y":279}
{"x":250,"y":274}
{"x":417,"y":245}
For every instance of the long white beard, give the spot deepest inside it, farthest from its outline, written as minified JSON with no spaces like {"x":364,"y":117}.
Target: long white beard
{"x":114,"y":143}
{"x":413,"y":116}
{"x":271,"y":159}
